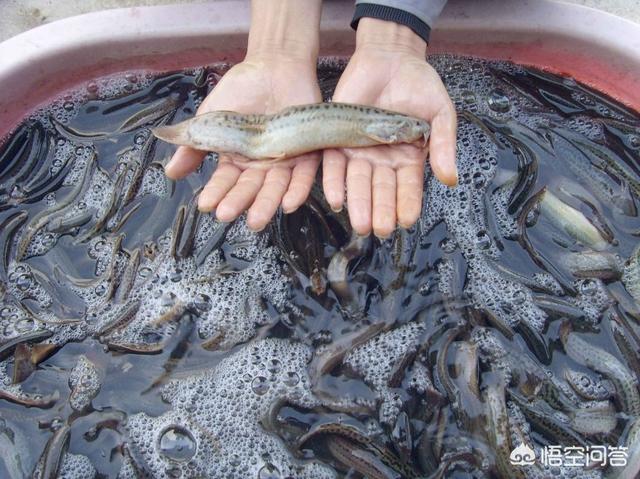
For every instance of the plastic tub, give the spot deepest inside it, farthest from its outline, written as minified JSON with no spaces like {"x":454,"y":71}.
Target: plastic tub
{"x":596,"y":48}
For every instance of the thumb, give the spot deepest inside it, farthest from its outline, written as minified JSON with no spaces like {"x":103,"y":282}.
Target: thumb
{"x":442,"y":145}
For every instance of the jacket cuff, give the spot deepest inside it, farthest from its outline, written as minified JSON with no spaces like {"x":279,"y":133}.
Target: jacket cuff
{"x":383,"y":12}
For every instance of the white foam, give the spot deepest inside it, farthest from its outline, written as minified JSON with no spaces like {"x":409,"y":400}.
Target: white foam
{"x":84,"y":382}
{"x":220,"y":412}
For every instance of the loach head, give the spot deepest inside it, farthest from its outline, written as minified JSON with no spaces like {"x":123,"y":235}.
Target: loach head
{"x":414,"y":129}
{"x":399,"y":129}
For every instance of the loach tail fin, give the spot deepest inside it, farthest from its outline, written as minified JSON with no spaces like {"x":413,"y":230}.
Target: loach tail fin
{"x":177,"y":134}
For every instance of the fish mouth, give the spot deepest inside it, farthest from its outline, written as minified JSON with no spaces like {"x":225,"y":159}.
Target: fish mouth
{"x":176,"y":134}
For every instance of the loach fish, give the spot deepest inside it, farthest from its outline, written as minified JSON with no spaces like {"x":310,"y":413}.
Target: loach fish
{"x":605,"y":363}
{"x":632,"y":468}
{"x":572,"y":221}
{"x":592,"y":264}
{"x":363,"y":461}
{"x":295,"y":130}
{"x":497,"y":430}
{"x":11,"y":460}
{"x":587,"y":387}
{"x":593,"y":420}
{"x":601,"y":183}
{"x":631,"y":275}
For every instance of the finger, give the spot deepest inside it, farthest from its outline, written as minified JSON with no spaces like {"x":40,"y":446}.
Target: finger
{"x":222,"y":180}
{"x":334,"y":163}
{"x":359,"y":195}
{"x":409,"y":197}
{"x":383,"y":155}
{"x":184,"y":161}
{"x":245,"y":163}
{"x":384,"y":201}
{"x":268,"y":198}
{"x":302,"y":178}
{"x":442,"y":145}
{"x":241,"y":195}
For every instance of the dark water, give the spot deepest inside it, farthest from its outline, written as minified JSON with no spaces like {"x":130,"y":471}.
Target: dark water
{"x":141,"y":339}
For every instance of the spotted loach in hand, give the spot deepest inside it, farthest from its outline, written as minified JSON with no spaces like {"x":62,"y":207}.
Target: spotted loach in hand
{"x":295,"y":130}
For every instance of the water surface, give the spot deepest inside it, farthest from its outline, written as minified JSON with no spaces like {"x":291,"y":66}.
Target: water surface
{"x":182,"y":347}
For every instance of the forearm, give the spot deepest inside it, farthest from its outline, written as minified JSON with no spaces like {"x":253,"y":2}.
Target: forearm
{"x":384,"y":35}
{"x":285,"y":29}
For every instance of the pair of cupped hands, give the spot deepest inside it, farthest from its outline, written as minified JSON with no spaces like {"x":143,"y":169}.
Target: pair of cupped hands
{"x":384,"y":184}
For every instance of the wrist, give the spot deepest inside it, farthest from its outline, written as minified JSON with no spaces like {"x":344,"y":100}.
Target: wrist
{"x":284,"y":30}
{"x":389,"y":36}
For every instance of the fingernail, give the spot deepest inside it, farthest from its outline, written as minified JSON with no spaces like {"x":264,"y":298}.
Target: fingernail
{"x":256,"y":229}
{"x":255,"y":223}
{"x":335,"y":204}
{"x":408,"y":225}
{"x":205,"y":206}
{"x":289,"y":210}
{"x":448,"y":181}
{"x":362,"y":230}
{"x":223,"y":214}
{"x":286,"y":207}
{"x":169,"y":166}
{"x":456,"y":180}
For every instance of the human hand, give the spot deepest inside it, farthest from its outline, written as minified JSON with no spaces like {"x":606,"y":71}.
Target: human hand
{"x":278,"y":71}
{"x":384,"y":183}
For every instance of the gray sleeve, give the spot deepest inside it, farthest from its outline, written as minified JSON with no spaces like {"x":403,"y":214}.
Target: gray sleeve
{"x":419,"y":15}
{"x":426,"y":10}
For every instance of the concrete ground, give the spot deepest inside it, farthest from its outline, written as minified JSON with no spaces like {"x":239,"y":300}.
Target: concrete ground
{"x":19,"y":15}
{"x":629,"y":9}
